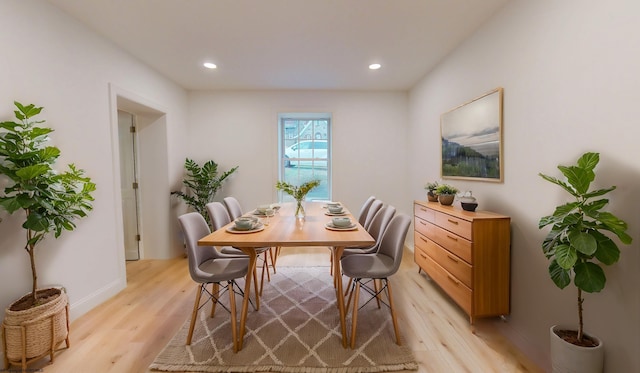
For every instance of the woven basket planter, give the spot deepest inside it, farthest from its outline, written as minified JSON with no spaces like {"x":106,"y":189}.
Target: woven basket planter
{"x":36,"y":332}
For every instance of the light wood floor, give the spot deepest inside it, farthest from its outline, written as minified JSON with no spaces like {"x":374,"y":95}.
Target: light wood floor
{"x":127,"y":332}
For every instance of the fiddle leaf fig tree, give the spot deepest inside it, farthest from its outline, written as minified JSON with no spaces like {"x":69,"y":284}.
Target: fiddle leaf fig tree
{"x":202,"y":183}
{"x":48,"y":200}
{"x":578,"y":243}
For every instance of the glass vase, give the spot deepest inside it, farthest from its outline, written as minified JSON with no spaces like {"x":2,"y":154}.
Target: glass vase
{"x":299,"y":210}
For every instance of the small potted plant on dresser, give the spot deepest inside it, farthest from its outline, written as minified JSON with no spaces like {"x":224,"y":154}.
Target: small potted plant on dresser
{"x":431,"y":191}
{"x":48,"y":201}
{"x":575,"y":245}
{"x":446,"y":194}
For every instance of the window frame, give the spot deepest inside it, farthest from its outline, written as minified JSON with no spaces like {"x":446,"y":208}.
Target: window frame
{"x":285,"y":140}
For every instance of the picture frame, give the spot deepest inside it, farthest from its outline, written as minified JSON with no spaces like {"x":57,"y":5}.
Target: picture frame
{"x":471,"y":138}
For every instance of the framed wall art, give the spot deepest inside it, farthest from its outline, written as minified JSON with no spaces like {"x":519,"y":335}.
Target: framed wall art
{"x":472,"y":139}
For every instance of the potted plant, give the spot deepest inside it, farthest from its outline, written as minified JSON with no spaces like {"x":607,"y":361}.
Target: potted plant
{"x":576,"y":247}
{"x":431,"y":191}
{"x":298,"y":193}
{"x":49,"y":202}
{"x":446,"y":194}
{"x":202,"y":183}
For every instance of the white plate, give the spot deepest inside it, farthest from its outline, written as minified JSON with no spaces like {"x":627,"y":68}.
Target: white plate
{"x":332,"y":227}
{"x":343,"y":213}
{"x":258,"y":228}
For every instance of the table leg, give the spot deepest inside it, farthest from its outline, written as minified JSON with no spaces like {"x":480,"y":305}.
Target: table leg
{"x":247,"y":292}
{"x":337,"y":279}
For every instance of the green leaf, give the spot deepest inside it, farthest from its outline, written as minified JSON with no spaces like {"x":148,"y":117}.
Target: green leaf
{"x":583,"y":242}
{"x":31,"y":172}
{"x":578,"y":178}
{"x":599,"y":192}
{"x":589,"y":277}
{"x":589,"y":161}
{"x":564,"y":185}
{"x":36,"y":222}
{"x":566,"y":256}
{"x":561,"y":277}
{"x":11,"y":204}
{"x":608,"y":252}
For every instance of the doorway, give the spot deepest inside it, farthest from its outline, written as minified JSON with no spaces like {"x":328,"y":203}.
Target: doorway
{"x":129,"y":184}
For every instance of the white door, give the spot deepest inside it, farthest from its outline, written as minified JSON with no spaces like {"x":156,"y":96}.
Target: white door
{"x":129,"y":187}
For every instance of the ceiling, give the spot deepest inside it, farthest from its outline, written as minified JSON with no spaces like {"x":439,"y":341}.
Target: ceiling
{"x":286,"y":44}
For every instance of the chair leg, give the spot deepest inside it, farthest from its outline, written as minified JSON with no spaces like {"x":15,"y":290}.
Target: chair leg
{"x":273,"y":259}
{"x":215,"y":290}
{"x":354,"y":317}
{"x":194,"y":314}
{"x":257,"y":289}
{"x":346,"y":292}
{"x":232,"y":308}
{"x":393,"y":313}
{"x":376,"y":288}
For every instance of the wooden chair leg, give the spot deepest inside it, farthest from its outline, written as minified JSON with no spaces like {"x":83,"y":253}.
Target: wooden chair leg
{"x":194,"y":314}
{"x":376,"y":286}
{"x":346,"y":292}
{"x":393,"y":313}
{"x":354,"y":317}
{"x":273,"y":259}
{"x":232,"y":308}
{"x":257,"y":289}
{"x":215,"y":290}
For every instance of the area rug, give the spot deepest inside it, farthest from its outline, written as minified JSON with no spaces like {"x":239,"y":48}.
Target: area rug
{"x":297,"y":329}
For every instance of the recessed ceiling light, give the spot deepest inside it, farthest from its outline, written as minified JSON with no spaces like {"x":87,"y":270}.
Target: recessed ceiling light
{"x":375,"y":66}
{"x":210,"y":65}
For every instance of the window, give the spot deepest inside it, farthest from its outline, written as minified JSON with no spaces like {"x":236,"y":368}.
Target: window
{"x":305,"y":152}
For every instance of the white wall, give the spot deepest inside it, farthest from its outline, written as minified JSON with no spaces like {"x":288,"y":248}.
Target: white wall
{"x":570,"y":75}
{"x":241,"y":129}
{"x":51,"y":60}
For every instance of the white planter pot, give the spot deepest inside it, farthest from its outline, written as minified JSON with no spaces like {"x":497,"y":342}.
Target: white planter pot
{"x":569,"y":358}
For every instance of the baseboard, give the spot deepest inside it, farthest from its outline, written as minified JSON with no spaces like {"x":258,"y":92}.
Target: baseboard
{"x":86,"y":304}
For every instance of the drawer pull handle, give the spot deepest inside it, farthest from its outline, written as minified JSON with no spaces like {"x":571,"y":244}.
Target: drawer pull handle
{"x":424,"y":239}
{"x":452,"y":259}
{"x":423,"y":209}
{"x":452,"y":221}
{"x":423,"y":223}
{"x":453,"y":280}
{"x":423,"y":256}
{"x":452,"y":238}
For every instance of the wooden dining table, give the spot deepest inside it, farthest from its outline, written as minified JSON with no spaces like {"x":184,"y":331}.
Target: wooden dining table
{"x":284,"y":229}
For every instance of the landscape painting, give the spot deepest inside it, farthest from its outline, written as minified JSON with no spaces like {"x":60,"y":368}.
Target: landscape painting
{"x":472,"y":139}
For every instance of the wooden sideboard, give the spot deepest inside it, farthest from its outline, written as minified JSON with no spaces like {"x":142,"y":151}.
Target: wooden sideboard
{"x":467,"y":254}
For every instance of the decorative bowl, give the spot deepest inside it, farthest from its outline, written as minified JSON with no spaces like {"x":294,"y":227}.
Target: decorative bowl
{"x":469,"y":206}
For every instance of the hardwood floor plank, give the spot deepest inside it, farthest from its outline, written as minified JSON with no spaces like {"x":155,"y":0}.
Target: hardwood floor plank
{"x":127,"y":332}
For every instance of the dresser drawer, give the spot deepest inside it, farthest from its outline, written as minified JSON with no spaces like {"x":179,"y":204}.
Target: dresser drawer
{"x":452,"y":242}
{"x":424,"y":213}
{"x":454,"y":265}
{"x":454,"y":224}
{"x":456,"y":289}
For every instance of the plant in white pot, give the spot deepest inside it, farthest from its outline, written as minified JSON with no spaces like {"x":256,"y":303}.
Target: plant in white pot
{"x":48,"y":201}
{"x":580,"y":241}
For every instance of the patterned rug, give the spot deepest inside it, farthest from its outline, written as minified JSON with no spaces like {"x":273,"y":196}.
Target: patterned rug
{"x":297,"y":329}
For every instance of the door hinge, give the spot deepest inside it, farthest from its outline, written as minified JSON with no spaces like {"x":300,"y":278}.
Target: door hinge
{"x":135,"y":185}
{"x":137,"y":237}
{"x":132,"y":129}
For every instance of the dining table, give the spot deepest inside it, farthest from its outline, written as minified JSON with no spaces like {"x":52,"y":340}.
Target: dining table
{"x":285,"y":229}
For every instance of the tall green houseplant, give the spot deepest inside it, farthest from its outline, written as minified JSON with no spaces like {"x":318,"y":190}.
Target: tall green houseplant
{"x":202,"y":183}
{"x":576,"y":244}
{"x":50,"y":201}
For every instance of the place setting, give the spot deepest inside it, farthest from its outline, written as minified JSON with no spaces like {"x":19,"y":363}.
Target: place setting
{"x":335,"y":209}
{"x":246,"y":224}
{"x":339,"y":223}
